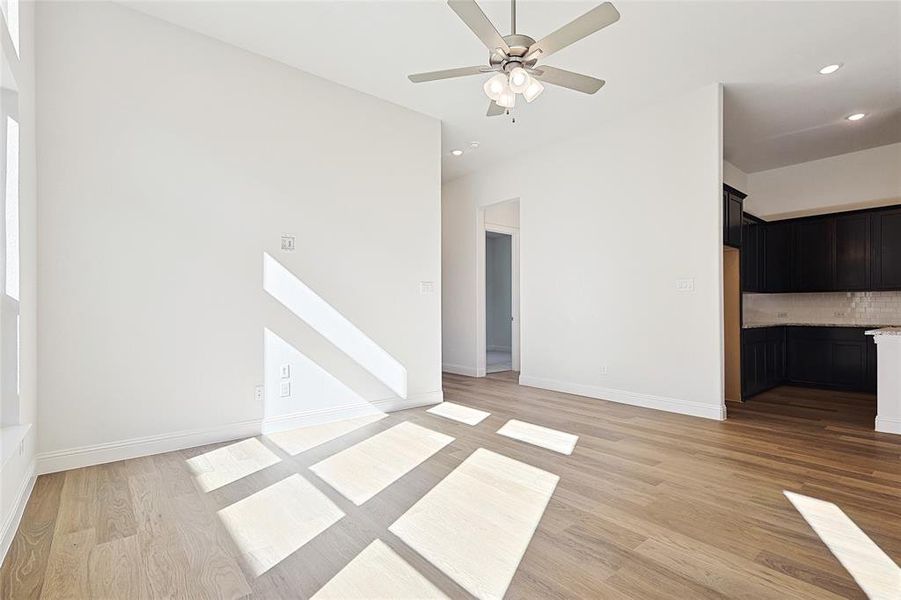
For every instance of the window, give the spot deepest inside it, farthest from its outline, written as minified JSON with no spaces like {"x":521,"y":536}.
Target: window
{"x":12,"y":208}
{"x":9,"y":306}
{"x":11,"y":13}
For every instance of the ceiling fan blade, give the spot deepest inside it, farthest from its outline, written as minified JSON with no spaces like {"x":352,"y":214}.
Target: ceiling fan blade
{"x":495,"y":109}
{"x":476,"y":20}
{"x":568,"y":79}
{"x":594,"y":20}
{"x":446,"y":74}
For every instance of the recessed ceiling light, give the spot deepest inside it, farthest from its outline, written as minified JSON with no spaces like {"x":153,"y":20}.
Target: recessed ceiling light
{"x":856,"y":116}
{"x":830,"y":69}
{"x":457,"y":152}
{"x":474,"y":145}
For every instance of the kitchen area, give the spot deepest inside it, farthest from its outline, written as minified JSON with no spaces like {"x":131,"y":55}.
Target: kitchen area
{"x":814,"y":302}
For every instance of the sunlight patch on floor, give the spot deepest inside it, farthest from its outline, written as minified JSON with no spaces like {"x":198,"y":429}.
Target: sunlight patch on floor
{"x":476,"y":524}
{"x":873,"y":570}
{"x":276,"y":521}
{"x":365,"y":469}
{"x":302,"y":439}
{"x":458,"y":412}
{"x":378,"y":572}
{"x":544,"y":437}
{"x":226,"y":464}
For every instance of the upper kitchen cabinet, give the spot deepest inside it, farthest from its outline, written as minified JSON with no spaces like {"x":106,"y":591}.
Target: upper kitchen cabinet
{"x":852,"y":253}
{"x":813,"y":255}
{"x":885,"y":227}
{"x":840,"y":252}
{"x":753,"y":254}
{"x":733,"y":207}
{"x":777,"y":255}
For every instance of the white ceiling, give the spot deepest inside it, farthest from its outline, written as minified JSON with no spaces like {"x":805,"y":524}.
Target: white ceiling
{"x":778,"y":109}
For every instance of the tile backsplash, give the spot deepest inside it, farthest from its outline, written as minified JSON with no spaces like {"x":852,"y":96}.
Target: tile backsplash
{"x":833,"y":308}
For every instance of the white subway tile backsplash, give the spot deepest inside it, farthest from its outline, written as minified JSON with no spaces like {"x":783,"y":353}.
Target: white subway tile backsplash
{"x":834,"y":308}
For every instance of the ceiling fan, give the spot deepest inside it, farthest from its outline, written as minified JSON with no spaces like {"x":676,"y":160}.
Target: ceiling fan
{"x":514,"y":58}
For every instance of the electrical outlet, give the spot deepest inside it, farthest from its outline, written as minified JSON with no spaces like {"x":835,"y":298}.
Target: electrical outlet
{"x":782,"y":315}
{"x":289,"y":242}
{"x":426,"y":287}
{"x":285,"y":389}
{"x":259,"y":394}
{"x":603,"y":369}
{"x":839,"y":313}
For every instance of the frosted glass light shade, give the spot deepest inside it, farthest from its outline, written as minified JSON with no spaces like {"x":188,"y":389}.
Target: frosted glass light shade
{"x":495,"y":86}
{"x":534,"y":90}
{"x":519,"y":80}
{"x":507,"y":98}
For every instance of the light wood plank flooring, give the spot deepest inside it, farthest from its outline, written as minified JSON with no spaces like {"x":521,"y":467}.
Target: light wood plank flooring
{"x":649,"y":505}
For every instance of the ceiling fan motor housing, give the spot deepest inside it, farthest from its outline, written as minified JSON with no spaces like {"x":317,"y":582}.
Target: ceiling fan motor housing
{"x":519,"y":44}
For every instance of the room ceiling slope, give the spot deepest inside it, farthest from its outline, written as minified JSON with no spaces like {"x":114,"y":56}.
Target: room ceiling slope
{"x":778,"y":109}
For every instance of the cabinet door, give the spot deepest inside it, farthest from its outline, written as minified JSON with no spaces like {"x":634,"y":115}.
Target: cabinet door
{"x":886,"y":238}
{"x":852,"y":253}
{"x":849,"y":365}
{"x":813,"y":255}
{"x":809,"y":361}
{"x":750,"y":257}
{"x":777,"y":257}
{"x":732,"y":214}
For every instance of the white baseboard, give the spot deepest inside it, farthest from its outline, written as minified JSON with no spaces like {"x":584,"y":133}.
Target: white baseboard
{"x":675,"y":405}
{"x":886,"y":425}
{"x":85,"y":456}
{"x":459,"y":370}
{"x":15,"y":515}
{"x":96,"y":454}
{"x":348,"y":411}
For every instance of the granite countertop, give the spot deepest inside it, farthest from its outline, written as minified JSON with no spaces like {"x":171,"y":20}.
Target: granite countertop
{"x":869,"y":326}
{"x":885,"y":331}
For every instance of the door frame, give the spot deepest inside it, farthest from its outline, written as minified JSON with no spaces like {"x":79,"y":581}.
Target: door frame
{"x":481,"y":327}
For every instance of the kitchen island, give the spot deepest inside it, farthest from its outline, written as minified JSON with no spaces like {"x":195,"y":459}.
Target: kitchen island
{"x":888,"y":379}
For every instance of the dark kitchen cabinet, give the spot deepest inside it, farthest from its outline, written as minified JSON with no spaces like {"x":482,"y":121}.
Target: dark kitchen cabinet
{"x":753,"y":255}
{"x":852,"y":253}
{"x":813,"y":255}
{"x":841,"y":358}
{"x":843,"y":252}
{"x":763,"y":359}
{"x":777,"y":255}
{"x":831,"y":357}
{"x":733,"y":209}
{"x":886,"y":249}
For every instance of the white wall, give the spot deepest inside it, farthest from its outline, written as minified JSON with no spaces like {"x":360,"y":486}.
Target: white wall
{"x":603,"y":241}
{"x":845,"y":182}
{"x":18,"y":464}
{"x":169,"y":164}
{"x":735,"y":177}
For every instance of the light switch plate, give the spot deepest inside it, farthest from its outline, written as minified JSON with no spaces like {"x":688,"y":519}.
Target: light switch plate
{"x":685,"y":285}
{"x":285,"y":389}
{"x":286,"y":371}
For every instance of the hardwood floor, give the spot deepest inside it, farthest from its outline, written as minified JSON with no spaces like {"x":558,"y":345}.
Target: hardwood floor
{"x":648,"y":505}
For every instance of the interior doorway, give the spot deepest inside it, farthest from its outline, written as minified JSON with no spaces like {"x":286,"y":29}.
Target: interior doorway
{"x":498,"y":302}
{"x":497,"y":313}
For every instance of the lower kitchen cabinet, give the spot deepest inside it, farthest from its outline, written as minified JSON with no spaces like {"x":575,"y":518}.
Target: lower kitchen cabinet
{"x":840,"y":358}
{"x":762,"y":359}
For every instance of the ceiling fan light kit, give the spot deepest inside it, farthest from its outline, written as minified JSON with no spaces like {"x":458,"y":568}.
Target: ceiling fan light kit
{"x":513,"y":58}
